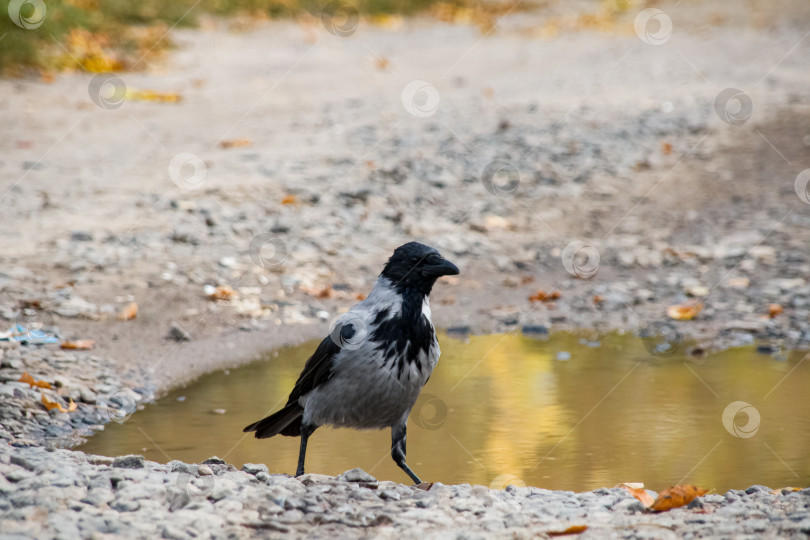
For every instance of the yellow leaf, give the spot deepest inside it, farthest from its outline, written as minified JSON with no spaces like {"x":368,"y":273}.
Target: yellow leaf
{"x":79,"y":344}
{"x":55,"y":405}
{"x":223,"y":292}
{"x":685,"y":311}
{"x":27,"y":378}
{"x":129,"y":312}
{"x":573,"y":529}
{"x":289,"y":199}
{"x":235,"y":143}
{"x":638,"y":491}
{"x":676,"y":496}
{"x":151,"y":95}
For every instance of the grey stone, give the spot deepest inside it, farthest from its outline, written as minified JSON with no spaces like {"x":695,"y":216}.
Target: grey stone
{"x":356,"y":475}
{"x":254,"y":468}
{"x":129,"y":462}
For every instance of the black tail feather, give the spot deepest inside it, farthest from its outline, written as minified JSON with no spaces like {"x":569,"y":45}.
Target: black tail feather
{"x":287,"y":421}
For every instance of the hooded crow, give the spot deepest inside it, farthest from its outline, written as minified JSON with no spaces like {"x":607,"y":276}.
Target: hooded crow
{"x":369,"y":371}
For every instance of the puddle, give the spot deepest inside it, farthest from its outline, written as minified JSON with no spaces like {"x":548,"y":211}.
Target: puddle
{"x":503,"y":409}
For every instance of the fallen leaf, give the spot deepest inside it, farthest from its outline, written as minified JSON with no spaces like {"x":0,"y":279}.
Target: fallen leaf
{"x":56,"y":405}
{"x":542,"y":296}
{"x":598,"y":299}
{"x":637,"y":490}
{"x":774,"y":310}
{"x":289,"y":199}
{"x":27,"y":378}
{"x":223,"y":292}
{"x":685,"y":311}
{"x":360,"y":297}
{"x":129,"y":312}
{"x":235,"y":143}
{"x":382,"y":62}
{"x":666,"y":148}
{"x":151,"y":95}
{"x":573,"y":529}
{"x":79,"y":344}
{"x":676,"y":497}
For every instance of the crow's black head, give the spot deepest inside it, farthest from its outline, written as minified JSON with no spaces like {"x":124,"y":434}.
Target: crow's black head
{"x":417,"y":266}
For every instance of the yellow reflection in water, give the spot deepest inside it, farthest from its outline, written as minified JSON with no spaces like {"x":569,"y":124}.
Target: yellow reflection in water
{"x":501,"y":409}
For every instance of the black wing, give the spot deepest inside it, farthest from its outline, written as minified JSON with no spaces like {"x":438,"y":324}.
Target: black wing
{"x":317,"y":370}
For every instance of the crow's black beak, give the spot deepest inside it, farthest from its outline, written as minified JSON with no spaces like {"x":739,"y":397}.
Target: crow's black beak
{"x":442,"y":268}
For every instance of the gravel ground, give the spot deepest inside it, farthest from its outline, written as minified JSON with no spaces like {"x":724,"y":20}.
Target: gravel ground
{"x":629,"y":181}
{"x":63,"y":494}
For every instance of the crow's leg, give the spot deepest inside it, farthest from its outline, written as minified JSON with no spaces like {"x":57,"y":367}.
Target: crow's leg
{"x":398,"y":450}
{"x":306,"y":431}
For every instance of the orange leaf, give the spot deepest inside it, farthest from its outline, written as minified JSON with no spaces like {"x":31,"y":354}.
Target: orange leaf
{"x":676,"y":496}
{"x":598,"y":299}
{"x":639,"y":493}
{"x":542,"y":296}
{"x":55,"y":405}
{"x":573,"y":529}
{"x":289,"y":199}
{"x":360,"y":296}
{"x":129,"y":312}
{"x":774,"y":310}
{"x":666,"y":148}
{"x":79,"y":344}
{"x":223,"y":292}
{"x":685,"y":311}
{"x":27,"y":378}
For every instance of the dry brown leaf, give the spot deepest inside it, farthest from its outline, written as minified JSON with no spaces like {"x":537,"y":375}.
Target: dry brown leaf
{"x":598,"y":299}
{"x":360,"y":297}
{"x":573,"y":529}
{"x":774,"y":310}
{"x":543,"y":296}
{"x":129,"y":312}
{"x":223,"y":292}
{"x":56,"y":405}
{"x":638,"y":491}
{"x":666,"y":148}
{"x":685,"y":311}
{"x":382,"y":62}
{"x":235,"y":143}
{"x":676,"y":496}
{"x":79,"y":344}
{"x":27,"y":378}
{"x":289,"y":199}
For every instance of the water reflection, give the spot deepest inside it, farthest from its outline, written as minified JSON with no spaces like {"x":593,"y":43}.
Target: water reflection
{"x":502,"y":409}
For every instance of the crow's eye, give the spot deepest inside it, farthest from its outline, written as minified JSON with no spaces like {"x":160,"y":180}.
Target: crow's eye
{"x":414,"y":259}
